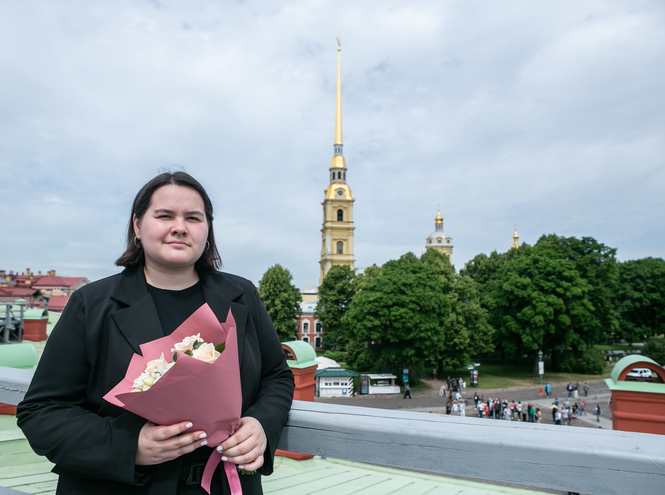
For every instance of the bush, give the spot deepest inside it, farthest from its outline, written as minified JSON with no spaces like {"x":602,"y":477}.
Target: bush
{"x":655,"y":349}
{"x":338,"y":356}
{"x":588,"y":362}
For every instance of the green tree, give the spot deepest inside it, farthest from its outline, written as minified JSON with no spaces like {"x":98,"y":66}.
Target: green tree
{"x":542,"y":302}
{"x":596,"y":263}
{"x":281,"y":299}
{"x":466,"y":332}
{"x":655,"y":349}
{"x":641,"y":299}
{"x":335,"y":294}
{"x":398,"y":316}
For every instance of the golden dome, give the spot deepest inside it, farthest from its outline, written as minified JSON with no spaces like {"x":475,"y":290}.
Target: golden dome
{"x":338,"y":190}
{"x":438,"y":218}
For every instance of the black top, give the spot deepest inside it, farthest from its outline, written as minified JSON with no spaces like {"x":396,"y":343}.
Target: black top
{"x":175,"y":306}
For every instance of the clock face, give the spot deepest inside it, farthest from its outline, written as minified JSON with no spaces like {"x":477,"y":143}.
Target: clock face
{"x":340,"y":192}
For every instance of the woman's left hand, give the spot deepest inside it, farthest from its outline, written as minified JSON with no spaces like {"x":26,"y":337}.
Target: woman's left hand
{"x":246,"y":446}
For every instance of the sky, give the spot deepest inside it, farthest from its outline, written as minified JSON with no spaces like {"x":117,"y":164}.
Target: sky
{"x":545,"y":115}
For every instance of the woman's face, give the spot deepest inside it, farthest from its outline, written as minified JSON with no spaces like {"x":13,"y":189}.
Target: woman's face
{"x":174,"y":230}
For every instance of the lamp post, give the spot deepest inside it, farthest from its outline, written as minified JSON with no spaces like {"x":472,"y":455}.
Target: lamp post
{"x":541,"y":366}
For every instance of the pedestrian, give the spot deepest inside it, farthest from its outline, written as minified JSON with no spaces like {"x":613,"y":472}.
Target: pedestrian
{"x":538,"y":415}
{"x":554,"y":408}
{"x":463,"y":386}
{"x":564,"y":416}
{"x":448,"y":382}
{"x":557,"y":417}
{"x":448,"y":407}
{"x":532,"y":412}
{"x":506,"y":413}
{"x":582,"y":408}
{"x":586,"y":389}
{"x":462,"y":408}
{"x":597,"y":412}
{"x":548,"y":389}
{"x":457,"y":396}
{"x":475,"y":400}
{"x":518,"y":408}
{"x":442,"y":391}
{"x":455,"y":408}
{"x":407,"y":390}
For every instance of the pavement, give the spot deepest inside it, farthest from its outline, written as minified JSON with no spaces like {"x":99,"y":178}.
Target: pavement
{"x":428,"y":400}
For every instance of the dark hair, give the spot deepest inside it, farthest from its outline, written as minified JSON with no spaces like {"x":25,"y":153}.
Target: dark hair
{"x":210,"y":261}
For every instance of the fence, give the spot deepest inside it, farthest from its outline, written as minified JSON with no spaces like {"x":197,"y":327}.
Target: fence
{"x":579,"y":460}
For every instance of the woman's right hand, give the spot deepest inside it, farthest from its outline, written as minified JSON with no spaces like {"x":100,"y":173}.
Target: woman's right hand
{"x":158,"y":444}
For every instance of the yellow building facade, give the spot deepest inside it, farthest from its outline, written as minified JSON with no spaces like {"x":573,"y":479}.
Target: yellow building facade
{"x":337,"y":229}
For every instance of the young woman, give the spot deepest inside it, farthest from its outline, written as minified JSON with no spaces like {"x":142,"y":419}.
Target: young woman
{"x":171,"y":269}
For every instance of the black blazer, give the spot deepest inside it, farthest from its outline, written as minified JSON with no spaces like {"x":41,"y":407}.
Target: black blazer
{"x":92,"y":442}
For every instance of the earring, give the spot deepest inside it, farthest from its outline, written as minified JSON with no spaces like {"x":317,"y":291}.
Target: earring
{"x":207,"y":246}
{"x":137,"y":242}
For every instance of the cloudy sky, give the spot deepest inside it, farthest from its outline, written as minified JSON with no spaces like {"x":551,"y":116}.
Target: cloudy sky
{"x":548,"y":115}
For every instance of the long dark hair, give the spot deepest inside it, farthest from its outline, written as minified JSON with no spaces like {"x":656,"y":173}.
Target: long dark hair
{"x":210,"y":261}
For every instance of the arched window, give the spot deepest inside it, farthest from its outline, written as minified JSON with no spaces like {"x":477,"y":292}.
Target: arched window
{"x":305,"y":339}
{"x":340,"y":247}
{"x":339,"y":175}
{"x":305,"y":326}
{"x":344,"y":175}
{"x":319,"y":328}
{"x":340,"y":215}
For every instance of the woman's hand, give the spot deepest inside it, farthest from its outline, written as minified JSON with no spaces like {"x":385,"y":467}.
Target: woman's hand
{"x":159,"y":444}
{"x":246,"y":446}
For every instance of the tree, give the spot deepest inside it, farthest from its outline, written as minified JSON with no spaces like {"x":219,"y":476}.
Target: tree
{"x":641,"y":299}
{"x":655,"y":349}
{"x":542,"y":303}
{"x":335,"y":294}
{"x":399,"y":315}
{"x":281,"y":299}
{"x":466,"y":332}
{"x":596,"y":263}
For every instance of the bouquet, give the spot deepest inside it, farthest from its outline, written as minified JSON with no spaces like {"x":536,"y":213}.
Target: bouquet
{"x":204,"y":390}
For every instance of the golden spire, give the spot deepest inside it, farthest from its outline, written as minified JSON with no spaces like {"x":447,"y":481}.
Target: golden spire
{"x":338,"y":108}
{"x":438,"y":218}
{"x":338,"y":159}
{"x":516,"y":238}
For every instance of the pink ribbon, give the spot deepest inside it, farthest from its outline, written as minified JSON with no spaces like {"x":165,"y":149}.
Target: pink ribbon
{"x":230,"y":469}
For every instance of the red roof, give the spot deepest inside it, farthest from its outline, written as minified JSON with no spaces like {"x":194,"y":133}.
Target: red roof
{"x":57,"y":303}
{"x":57,"y":281}
{"x":16,"y":291}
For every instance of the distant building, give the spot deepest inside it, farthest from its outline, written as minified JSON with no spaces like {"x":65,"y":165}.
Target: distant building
{"x":516,"y":239}
{"x":32,"y":287}
{"x":337,"y":229}
{"x":309,"y":328}
{"x":440,"y":241}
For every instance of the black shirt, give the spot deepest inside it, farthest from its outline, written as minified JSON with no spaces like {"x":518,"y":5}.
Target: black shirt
{"x":175,"y":306}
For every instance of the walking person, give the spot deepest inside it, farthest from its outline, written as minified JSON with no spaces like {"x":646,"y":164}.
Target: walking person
{"x":548,"y":389}
{"x":475,"y":400}
{"x":597,"y":412}
{"x":462,"y":408}
{"x":442,"y":391}
{"x":586,"y":389}
{"x":407,"y":390}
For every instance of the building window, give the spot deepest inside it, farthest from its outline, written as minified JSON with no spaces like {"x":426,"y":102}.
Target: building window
{"x":429,"y":241}
{"x":340,"y":215}
{"x":305,"y":339}
{"x":305,"y":326}
{"x":317,"y":342}
{"x":439,"y":241}
{"x":340,"y":247}
{"x":319,"y":328}
{"x":339,"y":175}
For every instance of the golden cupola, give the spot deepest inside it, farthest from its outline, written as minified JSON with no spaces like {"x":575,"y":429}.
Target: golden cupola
{"x":516,"y":239}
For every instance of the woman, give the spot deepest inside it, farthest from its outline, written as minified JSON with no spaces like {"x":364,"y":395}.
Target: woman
{"x":171,"y":264}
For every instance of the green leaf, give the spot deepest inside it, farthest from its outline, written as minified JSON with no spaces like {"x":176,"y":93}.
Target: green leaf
{"x":220,"y":348}
{"x":175,"y":357}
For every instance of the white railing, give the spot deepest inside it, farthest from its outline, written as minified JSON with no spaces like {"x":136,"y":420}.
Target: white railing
{"x":579,"y":460}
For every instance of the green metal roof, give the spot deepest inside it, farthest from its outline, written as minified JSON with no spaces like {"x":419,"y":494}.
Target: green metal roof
{"x":35,"y":314}
{"x":335,"y":372}
{"x":630,"y":362}
{"x":304,"y":353}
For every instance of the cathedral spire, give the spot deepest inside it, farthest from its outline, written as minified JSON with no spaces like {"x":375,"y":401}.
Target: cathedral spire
{"x":516,"y":239}
{"x":338,"y":161}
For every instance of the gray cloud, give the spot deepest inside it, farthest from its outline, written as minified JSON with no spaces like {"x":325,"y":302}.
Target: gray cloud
{"x":540,"y":114}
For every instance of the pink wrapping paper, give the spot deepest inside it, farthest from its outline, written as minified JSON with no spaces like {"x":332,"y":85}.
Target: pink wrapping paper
{"x":208,"y":395}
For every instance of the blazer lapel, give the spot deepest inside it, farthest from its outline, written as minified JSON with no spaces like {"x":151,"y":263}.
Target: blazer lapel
{"x":139,"y":321}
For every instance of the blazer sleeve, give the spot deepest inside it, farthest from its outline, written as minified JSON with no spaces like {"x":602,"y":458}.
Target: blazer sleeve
{"x":275,"y":392}
{"x":58,"y":414}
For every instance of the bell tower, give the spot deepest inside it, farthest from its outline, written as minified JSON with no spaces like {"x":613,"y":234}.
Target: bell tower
{"x":337,"y":230}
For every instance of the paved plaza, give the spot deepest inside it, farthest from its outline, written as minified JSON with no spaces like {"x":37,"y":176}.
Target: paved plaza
{"x":428,"y":400}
